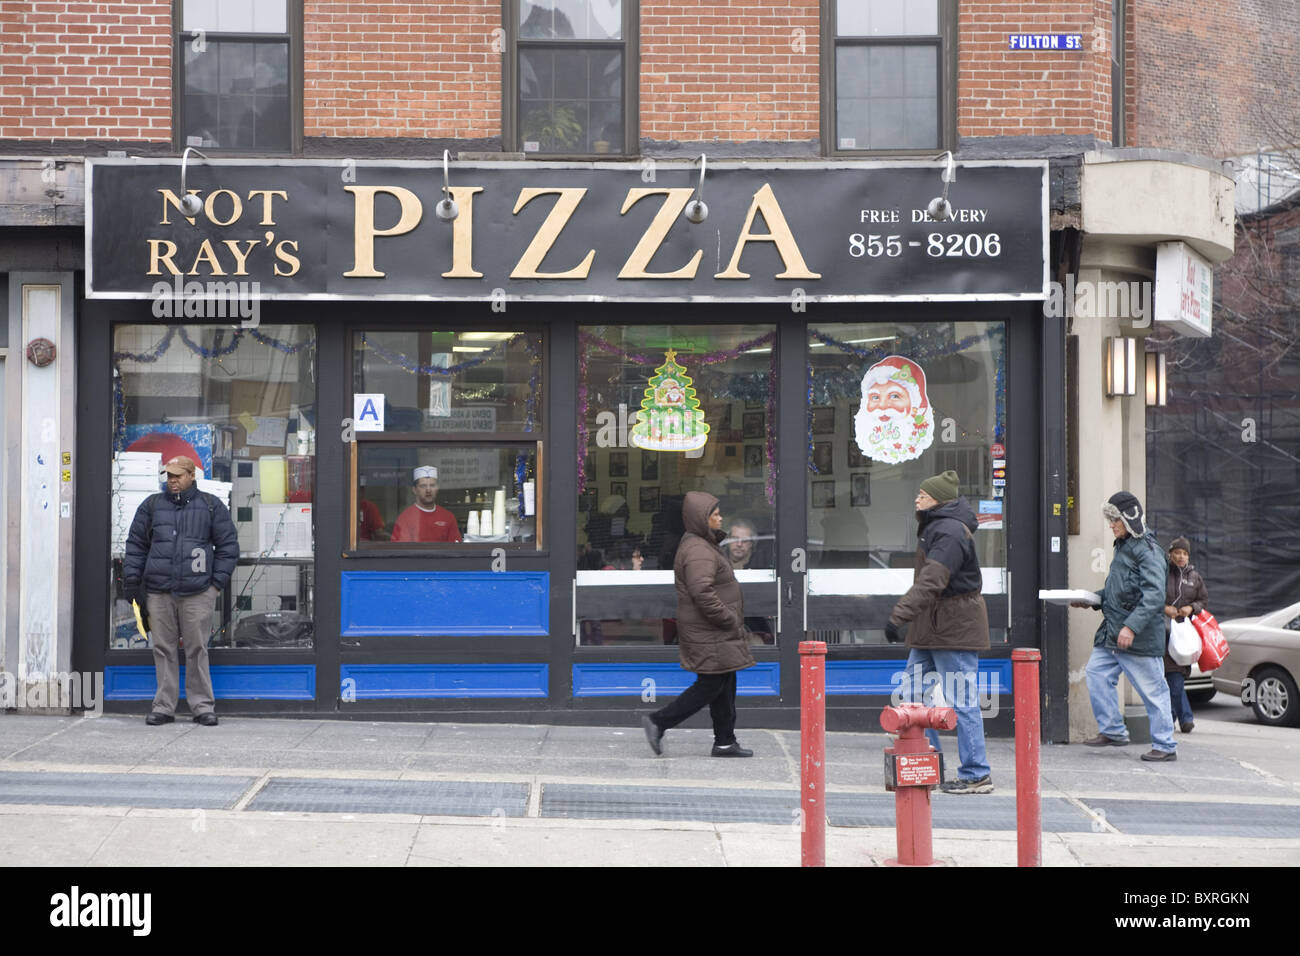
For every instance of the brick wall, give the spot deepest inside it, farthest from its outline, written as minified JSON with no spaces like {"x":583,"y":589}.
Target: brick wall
{"x":1212,"y":76}
{"x":380,"y":68}
{"x":1006,"y":93}
{"x":735,"y":70}
{"x":79,"y":70}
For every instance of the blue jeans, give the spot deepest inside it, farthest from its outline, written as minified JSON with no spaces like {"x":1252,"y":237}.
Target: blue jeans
{"x":1178,"y":702}
{"x":956,"y":676}
{"x":1147,"y":675}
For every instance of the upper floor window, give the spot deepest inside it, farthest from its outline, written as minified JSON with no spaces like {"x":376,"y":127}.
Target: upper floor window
{"x":570,"y":77}
{"x":236,"y":78}
{"x":890,"y":74}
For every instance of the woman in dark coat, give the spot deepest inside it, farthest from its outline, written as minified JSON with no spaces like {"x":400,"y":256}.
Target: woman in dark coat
{"x":710,"y":630}
{"x":1185,"y":596}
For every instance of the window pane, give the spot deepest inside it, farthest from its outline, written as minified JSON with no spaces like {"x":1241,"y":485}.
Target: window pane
{"x":252,"y":108}
{"x":492,"y":383}
{"x":935,"y":400}
{"x":880,"y":18}
{"x":240,"y":404}
{"x":571,"y":19}
{"x":571,"y":101}
{"x":645,"y":449}
{"x":235,"y":16}
{"x":887,"y":97}
{"x":440,"y":494}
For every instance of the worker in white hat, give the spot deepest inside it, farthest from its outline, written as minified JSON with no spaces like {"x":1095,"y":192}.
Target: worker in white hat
{"x":426,"y":520}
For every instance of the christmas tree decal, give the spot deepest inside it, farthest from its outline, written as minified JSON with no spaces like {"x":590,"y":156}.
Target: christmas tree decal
{"x":670,"y":417}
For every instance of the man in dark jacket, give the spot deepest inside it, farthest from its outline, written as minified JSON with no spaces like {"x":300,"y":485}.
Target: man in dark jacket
{"x":710,"y":630}
{"x":1185,"y":596}
{"x":1131,"y":638}
{"x":181,"y":552}
{"x":949,"y":622}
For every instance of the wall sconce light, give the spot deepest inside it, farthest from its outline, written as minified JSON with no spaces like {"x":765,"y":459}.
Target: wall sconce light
{"x":190,"y":203}
{"x":1121,"y":366}
{"x":939,"y":208}
{"x":1157,"y":385}
{"x":446,"y":210}
{"x":696,"y":211}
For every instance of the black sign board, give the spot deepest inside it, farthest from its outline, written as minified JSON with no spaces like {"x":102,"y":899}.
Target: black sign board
{"x":368,"y":230}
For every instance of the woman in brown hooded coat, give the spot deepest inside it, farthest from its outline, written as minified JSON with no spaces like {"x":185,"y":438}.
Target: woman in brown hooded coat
{"x":710,"y":630}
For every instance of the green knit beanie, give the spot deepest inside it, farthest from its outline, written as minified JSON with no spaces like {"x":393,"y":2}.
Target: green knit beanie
{"x":941,"y":487}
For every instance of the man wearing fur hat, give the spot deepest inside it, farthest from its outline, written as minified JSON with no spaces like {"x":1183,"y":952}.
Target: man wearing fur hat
{"x":949,"y":622}
{"x":1131,"y":638}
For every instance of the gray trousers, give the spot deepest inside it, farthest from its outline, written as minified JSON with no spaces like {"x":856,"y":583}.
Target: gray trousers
{"x":172,"y":617}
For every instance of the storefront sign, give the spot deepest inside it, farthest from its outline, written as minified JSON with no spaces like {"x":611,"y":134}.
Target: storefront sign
{"x":1184,"y":289}
{"x":584,"y":232}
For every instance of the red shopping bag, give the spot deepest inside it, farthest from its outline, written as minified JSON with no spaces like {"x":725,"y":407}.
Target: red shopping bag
{"x":1214,"y":648}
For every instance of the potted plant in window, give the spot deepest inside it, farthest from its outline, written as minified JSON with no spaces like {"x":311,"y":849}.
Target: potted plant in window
{"x":555,"y":127}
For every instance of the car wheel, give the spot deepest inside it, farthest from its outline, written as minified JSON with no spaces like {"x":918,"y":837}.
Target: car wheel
{"x":1277,"y":702}
{"x":1199,"y":697}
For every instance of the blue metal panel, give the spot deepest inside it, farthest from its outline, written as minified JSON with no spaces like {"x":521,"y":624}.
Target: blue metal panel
{"x":628,"y":680}
{"x":444,"y":603}
{"x":397,"y":681}
{"x":881,"y":678}
{"x":229,"y":682}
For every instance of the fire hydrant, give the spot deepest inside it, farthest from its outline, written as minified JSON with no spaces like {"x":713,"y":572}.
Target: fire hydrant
{"x":912,"y":769}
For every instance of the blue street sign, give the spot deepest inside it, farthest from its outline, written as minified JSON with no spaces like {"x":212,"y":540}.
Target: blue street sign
{"x":1045,"y":41}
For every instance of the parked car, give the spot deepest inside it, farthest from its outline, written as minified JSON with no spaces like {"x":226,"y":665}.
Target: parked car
{"x":1263,"y":665}
{"x":1199,"y":686}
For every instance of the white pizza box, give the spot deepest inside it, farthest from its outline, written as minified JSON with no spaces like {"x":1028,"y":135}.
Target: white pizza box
{"x":146,"y":483}
{"x":138,"y":463}
{"x":1067,"y":596}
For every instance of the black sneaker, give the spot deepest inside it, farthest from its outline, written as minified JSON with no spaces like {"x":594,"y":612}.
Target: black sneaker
{"x":654,"y":734}
{"x":731,"y":750}
{"x":982,"y":785}
{"x":158,"y":717}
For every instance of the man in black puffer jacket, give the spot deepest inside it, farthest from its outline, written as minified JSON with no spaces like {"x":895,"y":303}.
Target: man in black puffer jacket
{"x":180,"y":554}
{"x":949,"y":622}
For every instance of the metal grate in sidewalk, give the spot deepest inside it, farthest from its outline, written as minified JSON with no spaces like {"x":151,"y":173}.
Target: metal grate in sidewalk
{"x":147,"y":790}
{"x":423,"y":797}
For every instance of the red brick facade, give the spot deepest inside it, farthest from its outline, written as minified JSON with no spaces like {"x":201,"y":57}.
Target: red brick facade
{"x":1210,"y":74}
{"x":80,"y":70}
{"x":735,"y":70}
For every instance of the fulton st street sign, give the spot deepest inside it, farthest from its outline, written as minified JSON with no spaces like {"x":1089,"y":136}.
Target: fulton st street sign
{"x":578,"y":232}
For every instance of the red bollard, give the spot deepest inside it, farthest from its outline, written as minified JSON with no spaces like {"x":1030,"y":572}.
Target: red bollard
{"x":912,"y":770}
{"x":812,"y":752}
{"x":1029,"y":809}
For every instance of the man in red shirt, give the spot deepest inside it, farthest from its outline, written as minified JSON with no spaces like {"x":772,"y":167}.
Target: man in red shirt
{"x":425,"y":520}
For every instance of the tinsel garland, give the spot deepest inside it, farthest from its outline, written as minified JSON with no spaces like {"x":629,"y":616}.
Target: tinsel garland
{"x":161,"y":349}
{"x":587,"y":341}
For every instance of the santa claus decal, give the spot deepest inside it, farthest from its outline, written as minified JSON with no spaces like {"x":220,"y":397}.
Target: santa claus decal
{"x":895,"y":422}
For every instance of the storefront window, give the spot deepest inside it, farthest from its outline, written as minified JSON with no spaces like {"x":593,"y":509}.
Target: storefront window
{"x":664,"y":410}
{"x":892,"y":404}
{"x":240,"y":403}
{"x":448,"y":438}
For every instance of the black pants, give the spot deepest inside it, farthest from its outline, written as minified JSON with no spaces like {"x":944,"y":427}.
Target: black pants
{"x":718,"y":691}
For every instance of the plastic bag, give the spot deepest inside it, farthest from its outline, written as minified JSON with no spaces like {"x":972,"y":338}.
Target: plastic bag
{"x":1184,"y":642}
{"x":1214,"y":648}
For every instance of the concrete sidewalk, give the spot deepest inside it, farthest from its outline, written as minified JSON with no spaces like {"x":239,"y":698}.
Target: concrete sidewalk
{"x":110,"y":791}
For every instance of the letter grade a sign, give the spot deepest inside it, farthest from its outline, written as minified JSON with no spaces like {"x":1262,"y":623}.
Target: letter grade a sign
{"x":570,"y":232}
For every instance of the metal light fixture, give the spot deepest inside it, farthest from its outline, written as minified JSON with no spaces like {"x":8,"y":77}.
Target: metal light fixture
{"x":939,"y":208}
{"x":190,"y":203}
{"x":1157,"y":385}
{"x":446,"y":210}
{"x":696,"y":211}
{"x":1121,"y":366}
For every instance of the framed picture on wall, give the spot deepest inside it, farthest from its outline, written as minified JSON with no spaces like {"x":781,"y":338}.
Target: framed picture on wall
{"x":589,"y":466}
{"x":752,"y":425}
{"x":856,"y":458}
{"x":618,"y":488}
{"x":860,"y":490}
{"x":650,"y":499}
{"x":753,"y":461}
{"x":823,"y":494}
{"x":823,"y":420}
{"x":823,"y":457}
{"x":587,"y":501}
{"x":618,"y":464}
{"x":649,"y":466}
